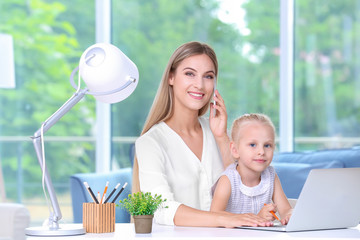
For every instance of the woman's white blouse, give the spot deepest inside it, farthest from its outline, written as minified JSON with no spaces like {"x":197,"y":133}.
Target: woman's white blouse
{"x":168,"y":167}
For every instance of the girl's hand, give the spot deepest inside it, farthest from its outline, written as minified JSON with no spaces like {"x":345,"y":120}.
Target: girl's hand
{"x":286,"y":219}
{"x":218,"y":121}
{"x":265,"y":212}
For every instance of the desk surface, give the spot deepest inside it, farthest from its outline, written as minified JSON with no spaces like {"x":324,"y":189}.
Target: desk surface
{"x":126,"y":231}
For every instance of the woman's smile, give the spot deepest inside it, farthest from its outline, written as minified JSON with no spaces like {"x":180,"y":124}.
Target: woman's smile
{"x":196,"y":95}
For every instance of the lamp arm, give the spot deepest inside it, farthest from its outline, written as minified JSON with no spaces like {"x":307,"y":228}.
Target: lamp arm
{"x":53,"y":219}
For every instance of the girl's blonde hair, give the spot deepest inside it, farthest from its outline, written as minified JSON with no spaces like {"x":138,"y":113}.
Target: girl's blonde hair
{"x":239,"y":122}
{"x":162,"y":107}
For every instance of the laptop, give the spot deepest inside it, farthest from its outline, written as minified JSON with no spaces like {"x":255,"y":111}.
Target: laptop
{"x":330,"y":199}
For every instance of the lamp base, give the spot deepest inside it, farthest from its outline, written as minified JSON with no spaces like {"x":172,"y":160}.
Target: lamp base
{"x":63,"y":230}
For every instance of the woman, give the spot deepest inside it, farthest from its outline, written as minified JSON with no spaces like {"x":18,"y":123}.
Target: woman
{"x":179,"y":152}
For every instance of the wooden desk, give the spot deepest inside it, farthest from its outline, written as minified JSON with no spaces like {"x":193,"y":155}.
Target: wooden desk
{"x":126,"y":231}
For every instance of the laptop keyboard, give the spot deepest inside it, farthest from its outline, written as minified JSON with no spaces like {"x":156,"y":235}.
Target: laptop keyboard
{"x":278,"y":224}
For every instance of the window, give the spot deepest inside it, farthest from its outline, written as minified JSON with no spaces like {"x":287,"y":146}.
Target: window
{"x":47,"y":47}
{"x":327,"y":79}
{"x":247,"y":48}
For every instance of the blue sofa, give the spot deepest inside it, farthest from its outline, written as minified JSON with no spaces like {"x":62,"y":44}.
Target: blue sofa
{"x":294,"y":167}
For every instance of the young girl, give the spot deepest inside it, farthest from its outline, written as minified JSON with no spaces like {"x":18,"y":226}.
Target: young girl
{"x":180,"y":153}
{"x":250,"y":185}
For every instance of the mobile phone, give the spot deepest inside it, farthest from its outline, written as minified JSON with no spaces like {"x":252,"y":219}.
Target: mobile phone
{"x":214,"y":95}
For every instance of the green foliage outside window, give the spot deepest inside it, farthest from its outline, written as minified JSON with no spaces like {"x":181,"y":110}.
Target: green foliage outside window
{"x":46,"y":50}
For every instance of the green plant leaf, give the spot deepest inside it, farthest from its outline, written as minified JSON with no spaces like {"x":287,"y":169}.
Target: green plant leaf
{"x":142,"y":203}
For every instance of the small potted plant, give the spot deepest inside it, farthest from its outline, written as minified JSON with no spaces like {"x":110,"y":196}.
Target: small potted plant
{"x":142,"y":207}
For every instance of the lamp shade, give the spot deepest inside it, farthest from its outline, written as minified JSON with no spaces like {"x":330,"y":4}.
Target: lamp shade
{"x":104,"y":68}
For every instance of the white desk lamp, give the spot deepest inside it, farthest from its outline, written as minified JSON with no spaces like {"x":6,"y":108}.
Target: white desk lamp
{"x":110,"y":76}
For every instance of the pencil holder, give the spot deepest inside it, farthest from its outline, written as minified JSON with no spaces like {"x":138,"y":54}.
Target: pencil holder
{"x":99,"y":218}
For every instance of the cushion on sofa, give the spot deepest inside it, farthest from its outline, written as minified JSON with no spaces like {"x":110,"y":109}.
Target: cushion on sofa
{"x":350,"y":157}
{"x":293,"y":175}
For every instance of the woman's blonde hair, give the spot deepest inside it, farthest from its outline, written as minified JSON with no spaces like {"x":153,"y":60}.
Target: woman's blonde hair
{"x":240,"y":121}
{"x":162,"y":107}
